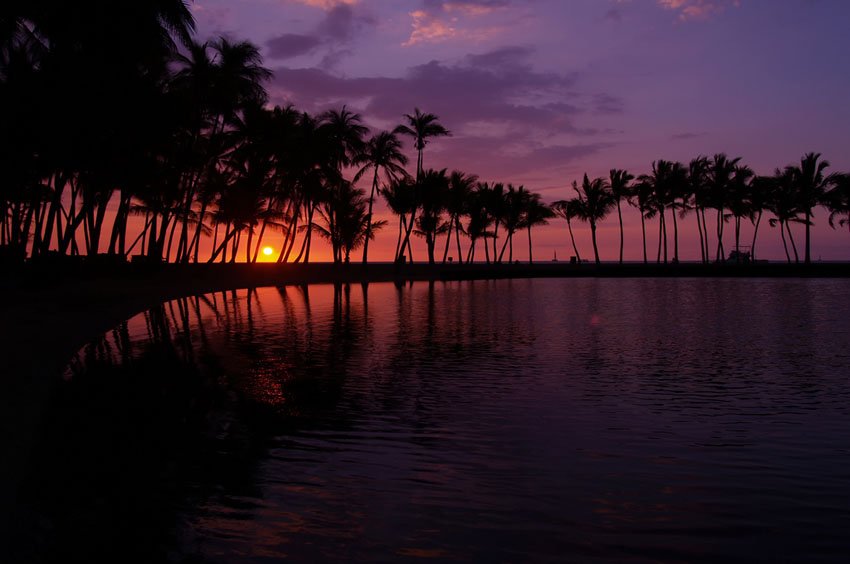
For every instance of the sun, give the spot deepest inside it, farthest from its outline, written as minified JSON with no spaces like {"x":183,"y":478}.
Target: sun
{"x":268,"y":251}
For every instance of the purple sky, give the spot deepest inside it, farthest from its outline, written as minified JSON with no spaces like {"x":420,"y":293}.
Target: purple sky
{"x":537,"y":92}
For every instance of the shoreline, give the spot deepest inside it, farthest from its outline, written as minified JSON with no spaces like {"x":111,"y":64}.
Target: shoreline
{"x":51,"y":311}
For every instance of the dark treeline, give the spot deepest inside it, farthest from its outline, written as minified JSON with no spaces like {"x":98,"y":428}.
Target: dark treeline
{"x":107,"y":114}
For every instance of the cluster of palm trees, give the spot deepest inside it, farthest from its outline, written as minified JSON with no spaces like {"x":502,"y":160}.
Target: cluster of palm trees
{"x":109,"y":115}
{"x":732,"y":190}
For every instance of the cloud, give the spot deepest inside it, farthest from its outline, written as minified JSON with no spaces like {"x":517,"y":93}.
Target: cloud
{"x":441,"y":20}
{"x":697,"y":9}
{"x":688,"y":135}
{"x":291,"y":45}
{"x":498,"y":107}
{"x":338,"y":28}
{"x":327,"y":4}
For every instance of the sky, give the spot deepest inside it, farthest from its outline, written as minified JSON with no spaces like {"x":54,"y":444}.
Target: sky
{"x":539,"y":92}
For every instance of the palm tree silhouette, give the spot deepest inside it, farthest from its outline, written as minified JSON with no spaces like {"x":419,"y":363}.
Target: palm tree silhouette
{"x":516,"y":202}
{"x":784,"y":205}
{"x":595,"y":201}
{"x":420,"y":126}
{"x":620,"y":189}
{"x":479,"y":219}
{"x":569,"y":210}
{"x":838,"y":200}
{"x":456,"y":203}
{"x":812,"y":185}
{"x":431,"y":196}
{"x":719,"y":179}
{"x":535,"y":212}
{"x":383,"y":151}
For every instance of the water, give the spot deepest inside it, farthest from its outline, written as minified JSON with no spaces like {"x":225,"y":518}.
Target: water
{"x":536,"y":420}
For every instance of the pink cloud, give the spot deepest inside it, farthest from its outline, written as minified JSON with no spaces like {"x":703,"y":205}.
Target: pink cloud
{"x":697,"y":9}
{"x":326,"y":4}
{"x":450,"y":20}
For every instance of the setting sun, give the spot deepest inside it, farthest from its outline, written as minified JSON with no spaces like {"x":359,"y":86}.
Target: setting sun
{"x":268,"y":251}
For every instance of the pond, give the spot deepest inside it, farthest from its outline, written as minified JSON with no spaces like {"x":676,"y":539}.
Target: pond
{"x":587,"y":420}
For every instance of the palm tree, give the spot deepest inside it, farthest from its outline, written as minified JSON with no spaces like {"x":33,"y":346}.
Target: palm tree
{"x":345,"y":221}
{"x":696,"y":187}
{"x":569,"y":210}
{"x":400,"y":196}
{"x":663,"y":186}
{"x":740,"y":190}
{"x":421,"y":127}
{"x":761,"y":188}
{"x":383,"y":151}
{"x":535,"y":212}
{"x":479,"y":219}
{"x":619,"y":181}
{"x":718,"y":182}
{"x":641,"y":198}
{"x":516,"y":200}
{"x":838,"y":200}
{"x":432,"y":188}
{"x":595,"y":201}
{"x":784,"y":202}
{"x":457,"y":200}
{"x":812,"y":185}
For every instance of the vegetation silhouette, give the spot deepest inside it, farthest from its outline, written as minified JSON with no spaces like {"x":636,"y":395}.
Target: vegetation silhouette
{"x":202,"y":154}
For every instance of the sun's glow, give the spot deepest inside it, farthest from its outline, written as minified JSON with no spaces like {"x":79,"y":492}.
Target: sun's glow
{"x":268,"y":251}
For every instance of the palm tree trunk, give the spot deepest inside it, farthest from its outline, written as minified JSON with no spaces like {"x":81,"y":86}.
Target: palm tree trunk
{"x":593,"y":237}
{"x":575,"y":247}
{"x":675,"y":236}
{"x":705,"y":234}
{"x":721,"y":252}
{"x":504,"y":246}
{"x":487,"y":250}
{"x":808,"y":236}
{"x":793,"y":244}
{"x":448,"y":239}
{"x":660,"y":237}
{"x":369,"y":217}
{"x":222,"y":248}
{"x":664,"y":230}
{"x":755,"y":234}
{"x":531,"y":257}
{"x":738,"y":239}
{"x":701,"y":239}
{"x":622,"y":238}
{"x":401,"y":220}
{"x":457,"y":240}
{"x":784,"y":242}
{"x":643,"y":231}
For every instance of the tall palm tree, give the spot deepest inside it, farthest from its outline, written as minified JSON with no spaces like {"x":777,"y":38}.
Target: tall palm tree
{"x":382,"y":152}
{"x":696,"y":187}
{"x":761,"y":189}
{"x":400,"y":196}
{"x":422,"y":127}
{"x":595,"y":201}
{"x":457,"y":200}
{"x":784,"y":205}
{"x":479,"y":219}
{"x":516,"y":200}
{"x":620,"y":189}
{"x":812,"y":185}
{"x":569,"y":210}
{"x":718,"y":182}
{"x":740,"y":206}
{"x":535,"y":213}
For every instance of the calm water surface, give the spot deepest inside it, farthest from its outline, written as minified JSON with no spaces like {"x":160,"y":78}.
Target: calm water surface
{"x":536,"y":420}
